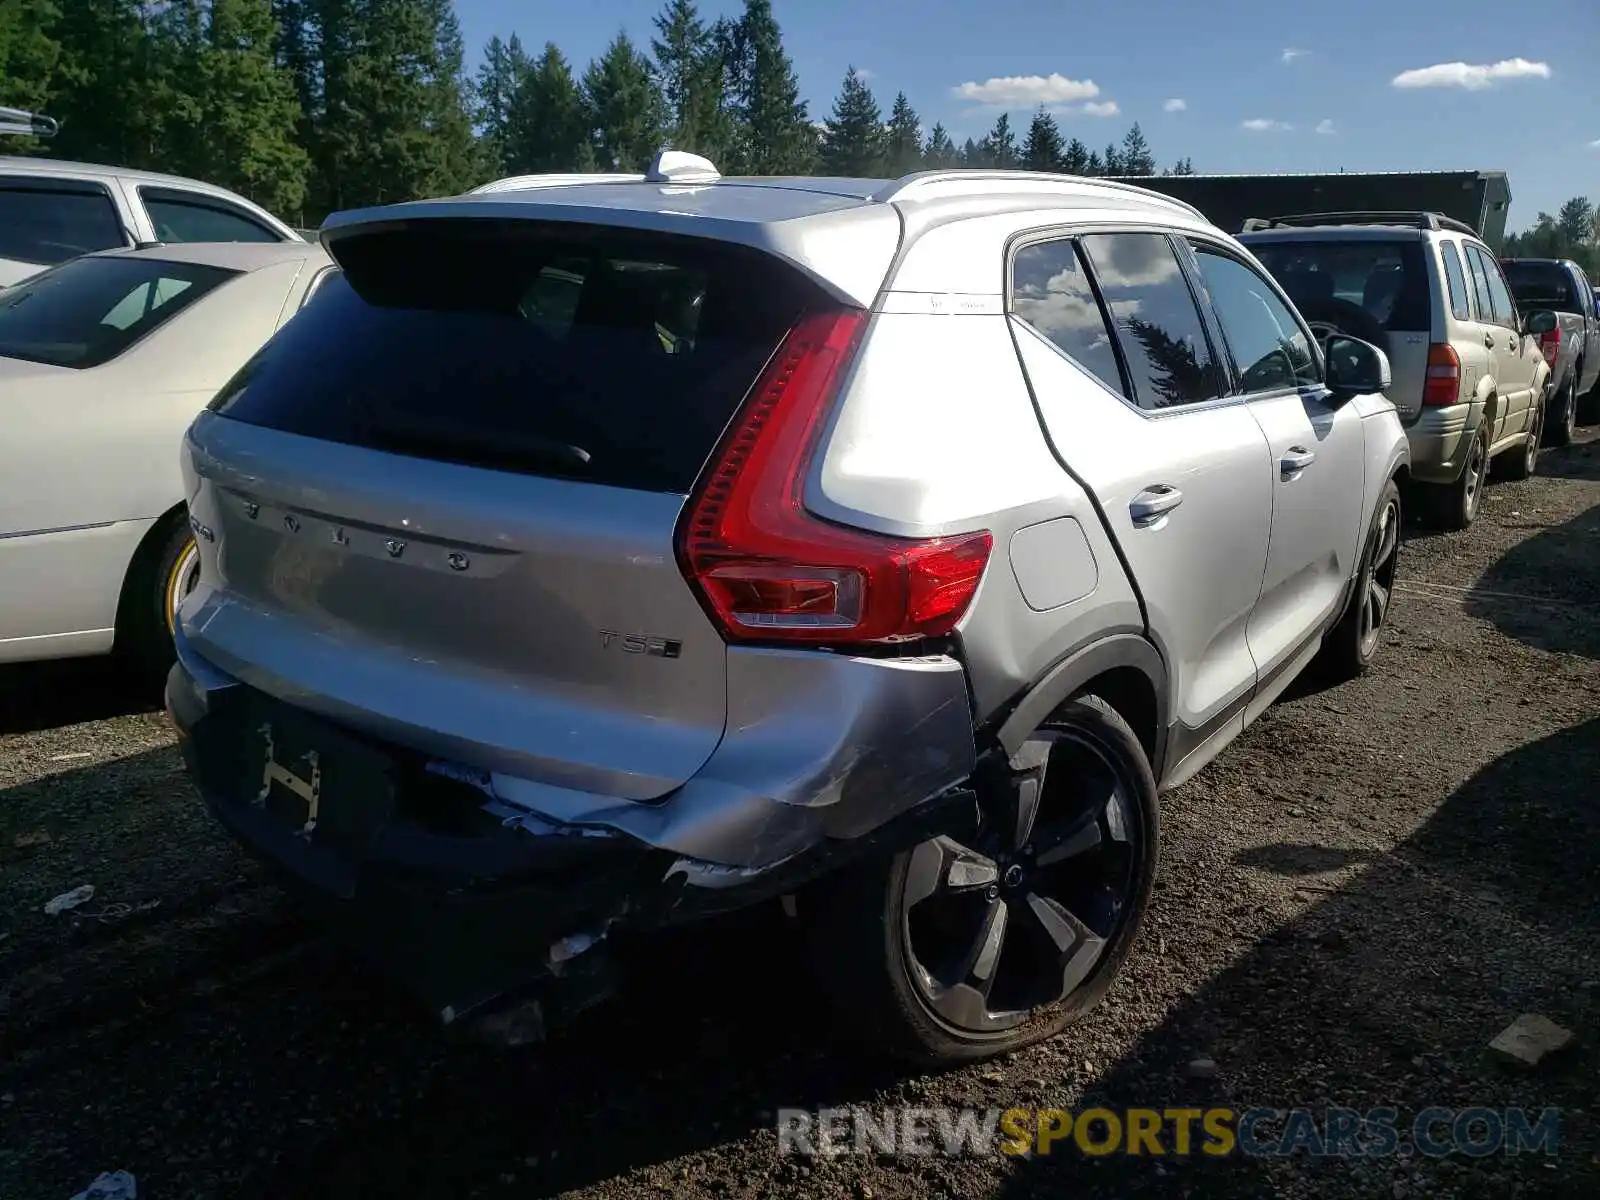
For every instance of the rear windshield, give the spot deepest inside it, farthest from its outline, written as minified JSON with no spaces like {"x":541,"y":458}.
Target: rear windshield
{"x":1547,"y":285}
{"x":87,"y":311}
{"x":1387,"y":279}
{"x":573,"y":351}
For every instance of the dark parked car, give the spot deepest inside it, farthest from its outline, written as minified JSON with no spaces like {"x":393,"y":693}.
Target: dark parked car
{"x":1572,"y":348}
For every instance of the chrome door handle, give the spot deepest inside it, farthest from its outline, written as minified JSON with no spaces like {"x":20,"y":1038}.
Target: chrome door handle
{"x":1297,"y":459}
{"x":1488,"y":340}
{"x":1151,"y":506}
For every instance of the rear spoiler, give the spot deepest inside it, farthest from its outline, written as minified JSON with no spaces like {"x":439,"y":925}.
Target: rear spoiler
{"x":27,"y":124}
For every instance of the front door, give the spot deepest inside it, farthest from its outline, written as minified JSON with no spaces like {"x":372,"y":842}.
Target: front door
{"x":1317,"y":451}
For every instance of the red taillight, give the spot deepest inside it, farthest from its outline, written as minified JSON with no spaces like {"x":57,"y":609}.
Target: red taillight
{"x":1550,"y":343}
{"x":765,"y":568}
{"x":1443,"y":387}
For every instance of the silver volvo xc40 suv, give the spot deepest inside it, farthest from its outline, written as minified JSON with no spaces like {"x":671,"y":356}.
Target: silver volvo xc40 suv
{"x":593,"y":557}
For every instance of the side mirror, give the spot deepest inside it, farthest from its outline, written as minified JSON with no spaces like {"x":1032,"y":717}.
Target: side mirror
{"x":1356,"y":368}
{"x":1539,"y":322}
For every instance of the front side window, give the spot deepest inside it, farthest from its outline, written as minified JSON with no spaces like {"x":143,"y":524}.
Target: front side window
{"x":87,"y":311}
{"x":1050,"y":290}
{"x":193,"y":218}
{"x":48,"y":225}
{"x":1455,"y":281}
{"x":1270,"y":348}
{"x":1158,"y":326}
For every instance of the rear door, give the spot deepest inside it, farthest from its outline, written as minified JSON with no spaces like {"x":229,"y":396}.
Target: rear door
{"x":1517,"y":355}
{"x":443,"y":499}
{"x":1180,"y":470}
{"x":1318,"y":454}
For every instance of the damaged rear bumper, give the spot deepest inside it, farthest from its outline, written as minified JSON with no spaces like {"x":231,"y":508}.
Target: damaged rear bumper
{"x":474,"y":889}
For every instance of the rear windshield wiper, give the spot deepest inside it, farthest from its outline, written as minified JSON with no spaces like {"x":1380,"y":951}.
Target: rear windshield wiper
{"x":500,"y":448}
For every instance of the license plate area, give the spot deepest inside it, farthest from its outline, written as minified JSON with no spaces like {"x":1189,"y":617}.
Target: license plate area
{"x":315,"y":798}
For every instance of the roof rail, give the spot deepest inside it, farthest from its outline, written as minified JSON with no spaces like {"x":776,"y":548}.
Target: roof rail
{"x":1410,"y":220}
{"x":920,"y":183}
{"x":517,"y":183}
{"x":21,"y":121}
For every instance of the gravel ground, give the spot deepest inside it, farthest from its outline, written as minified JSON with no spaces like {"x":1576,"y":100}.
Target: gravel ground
{"x":1370,"y":883}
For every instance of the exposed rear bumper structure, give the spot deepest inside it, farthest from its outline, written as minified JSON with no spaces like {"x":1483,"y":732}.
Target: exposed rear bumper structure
{"x":477,"y":890}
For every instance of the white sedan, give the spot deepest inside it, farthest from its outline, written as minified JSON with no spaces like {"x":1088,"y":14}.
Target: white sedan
{"x":104,"y":362}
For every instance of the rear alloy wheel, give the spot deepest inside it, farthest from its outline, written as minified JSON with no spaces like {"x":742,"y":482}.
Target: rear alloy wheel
{"x":1455,"y":505}
{"x":986,"y":939}
{"x":1565,"y":413}
{"x":157,"y":585}
{"x":1352,"y":644}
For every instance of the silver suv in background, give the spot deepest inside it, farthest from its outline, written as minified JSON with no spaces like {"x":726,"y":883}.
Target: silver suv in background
{"x":593,"y":557}
{"x":1469,"y":375}
{"x":51,"y":210}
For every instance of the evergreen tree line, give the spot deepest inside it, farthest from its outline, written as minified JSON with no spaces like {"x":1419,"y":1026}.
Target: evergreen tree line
{"x":1574,"y":232}
{"x":308,"y":106}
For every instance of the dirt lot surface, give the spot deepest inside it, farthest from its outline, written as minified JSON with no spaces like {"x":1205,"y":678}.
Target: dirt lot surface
{"x":1355,"y":899}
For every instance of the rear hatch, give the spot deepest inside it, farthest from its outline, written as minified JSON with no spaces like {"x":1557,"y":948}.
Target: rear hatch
{"x":1386,"y":279}
{"x":1542,"y":285}
{"x":442,"y":501}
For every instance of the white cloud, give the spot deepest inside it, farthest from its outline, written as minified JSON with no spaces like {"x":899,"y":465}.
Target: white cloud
{"x":1472,"y":76}
{"x":1325,"y":127}
{"x":1289,"y":55}
{"x":1265,"y":125}
{"x":1595,"y":145}
{"x":1099,"y":108}
{"x":1176,"y":104}
{"x":1026,"y":91}
{"x":864,"y":74}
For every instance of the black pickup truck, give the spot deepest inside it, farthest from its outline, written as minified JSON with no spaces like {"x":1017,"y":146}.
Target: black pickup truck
{"x":1573,"y":348}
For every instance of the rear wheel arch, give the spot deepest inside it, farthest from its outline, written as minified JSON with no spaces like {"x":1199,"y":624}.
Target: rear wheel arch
{"x":1124,"y":670}
{"x":132,"y":628}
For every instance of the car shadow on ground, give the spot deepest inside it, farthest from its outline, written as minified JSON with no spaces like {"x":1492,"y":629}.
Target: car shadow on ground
{"x":307,"y":1078}
{"x":47,"y":695}
{"x":1387,"y":992}
{"x":1545,"y":591}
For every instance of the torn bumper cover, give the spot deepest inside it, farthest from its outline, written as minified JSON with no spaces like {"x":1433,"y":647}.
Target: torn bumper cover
{"x":473,"y":887}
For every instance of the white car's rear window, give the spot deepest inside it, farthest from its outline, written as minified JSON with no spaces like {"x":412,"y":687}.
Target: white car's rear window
{"x":86,"y":312}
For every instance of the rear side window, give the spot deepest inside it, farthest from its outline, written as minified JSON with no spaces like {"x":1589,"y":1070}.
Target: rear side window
{"x":1387,"y":279}
{"x":563,"y":350}
{"x":87,"y":311}
{"x":189,"y":217}
{"x":48,"y":225}
{"x":1455,"y":281}
{"x":1050,"y":290}
{"x":1542,"y":285}
{"x":1158,"y":326}
{"x":1480,"y":285}
{"x":1505,"y":310}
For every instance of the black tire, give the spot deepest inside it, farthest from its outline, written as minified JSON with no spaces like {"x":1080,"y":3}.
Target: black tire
{"x":1561,"y":414}
{"x":159,"y":577}
{"x":1343,"y":317}
{"x":864,"y":940}
{"x":1455,"y":505}
{"x":1352,"y":644}
{"x":1524,"y":463}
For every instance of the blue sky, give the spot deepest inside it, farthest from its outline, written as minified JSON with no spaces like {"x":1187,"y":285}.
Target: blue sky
{"x":1512,"y":87}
